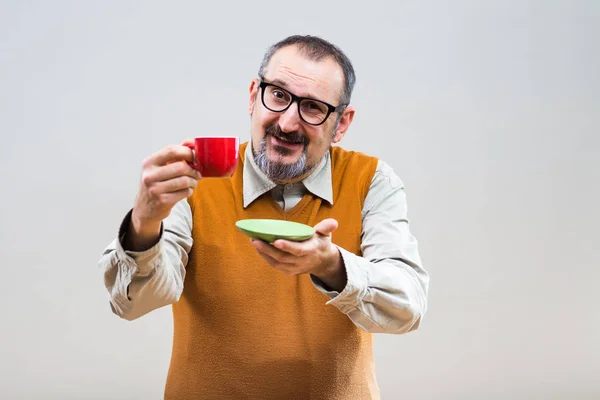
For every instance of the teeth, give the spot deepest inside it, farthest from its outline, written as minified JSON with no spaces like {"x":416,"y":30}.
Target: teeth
{"x":286,"y":140}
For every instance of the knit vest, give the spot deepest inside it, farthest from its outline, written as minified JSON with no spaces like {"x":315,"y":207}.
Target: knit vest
{"x":243,"y":330}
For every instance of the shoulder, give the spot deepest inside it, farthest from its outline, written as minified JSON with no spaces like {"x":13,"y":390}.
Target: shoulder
{"x":339,"y":154}
{"x":386,"y":187}
{"x":353,"y":162}
{"x":383,"y":173}
{"x":386,"y":176}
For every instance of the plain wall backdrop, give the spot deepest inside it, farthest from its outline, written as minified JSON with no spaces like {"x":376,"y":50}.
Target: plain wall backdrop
{"x":488,"y":111}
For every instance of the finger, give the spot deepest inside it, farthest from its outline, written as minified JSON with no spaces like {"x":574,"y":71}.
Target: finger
{"x":176,"y":184}
{"x":188,"y":143}
{"x":326,"y":227}
{"x":287,"y":269}
{"x":272,"y":252}
{"x":191,"y":144}
{"x":272,"y":262}
{"x":172,"y":153}
{"x":170,"y":171}
{"x":174,"y":197}
{"x":297,"y":249}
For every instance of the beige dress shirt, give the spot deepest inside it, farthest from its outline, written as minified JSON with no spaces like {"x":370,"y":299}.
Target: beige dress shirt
{"x":386,"y":289}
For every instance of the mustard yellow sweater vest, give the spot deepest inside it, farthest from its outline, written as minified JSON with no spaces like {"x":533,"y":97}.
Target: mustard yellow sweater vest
{"x":243,"y":330}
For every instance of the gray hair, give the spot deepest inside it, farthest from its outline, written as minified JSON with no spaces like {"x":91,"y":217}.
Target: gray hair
{"x":315,"y":49}
{"x":277,"y":171}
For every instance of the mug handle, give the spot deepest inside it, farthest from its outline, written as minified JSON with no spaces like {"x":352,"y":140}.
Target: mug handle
{"x":190,"y":144}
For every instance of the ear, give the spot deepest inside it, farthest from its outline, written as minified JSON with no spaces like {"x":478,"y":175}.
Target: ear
{"x":253,"y":93}
{"x":344,"y":124}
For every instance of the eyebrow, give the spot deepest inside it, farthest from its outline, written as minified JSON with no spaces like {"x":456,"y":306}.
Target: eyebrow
{"x":281,"y":83}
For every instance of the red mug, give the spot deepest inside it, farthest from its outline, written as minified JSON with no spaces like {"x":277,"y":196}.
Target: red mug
{"x":215,"y":156}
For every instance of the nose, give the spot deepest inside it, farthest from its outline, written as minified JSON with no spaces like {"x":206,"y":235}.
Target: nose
{"x":289,"y":120}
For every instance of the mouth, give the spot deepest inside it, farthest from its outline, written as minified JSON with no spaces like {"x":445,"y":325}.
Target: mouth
{"x":288,"y":144}
{"x":289,"y":140}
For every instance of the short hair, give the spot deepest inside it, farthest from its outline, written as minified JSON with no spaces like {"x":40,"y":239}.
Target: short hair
{"x":316,"y":49}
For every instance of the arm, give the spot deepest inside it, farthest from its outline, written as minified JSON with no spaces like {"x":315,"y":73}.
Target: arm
{"x":386,"y":289}
{"x":144,"y":267}
{"x":141,"y":281}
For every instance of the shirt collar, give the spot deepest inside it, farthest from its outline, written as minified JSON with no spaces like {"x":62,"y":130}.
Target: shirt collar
{"x":256,"y":183}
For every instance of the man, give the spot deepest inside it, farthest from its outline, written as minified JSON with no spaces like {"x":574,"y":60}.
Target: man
{"x":286,"y":320}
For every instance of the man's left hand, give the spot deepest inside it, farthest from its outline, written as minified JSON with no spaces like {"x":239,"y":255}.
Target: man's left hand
{"x":317,"y":256}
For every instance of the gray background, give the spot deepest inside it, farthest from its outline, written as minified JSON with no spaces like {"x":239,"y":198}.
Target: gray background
{"x":488,"y":110}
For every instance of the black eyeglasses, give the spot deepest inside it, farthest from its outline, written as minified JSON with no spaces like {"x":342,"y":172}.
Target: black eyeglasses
{"x":312,"y":111}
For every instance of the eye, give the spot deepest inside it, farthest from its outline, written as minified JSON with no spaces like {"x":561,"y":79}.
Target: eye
{"x":278,"y":95}
{"x":313,"y":107}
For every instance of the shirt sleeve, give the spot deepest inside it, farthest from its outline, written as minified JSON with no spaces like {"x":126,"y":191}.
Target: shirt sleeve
{"x":386,"y":289}
{"x":140,"y":282}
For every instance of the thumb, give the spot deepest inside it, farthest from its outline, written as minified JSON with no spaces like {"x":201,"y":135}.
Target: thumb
{"x":326,"y":227}
{"x":188,"y":143}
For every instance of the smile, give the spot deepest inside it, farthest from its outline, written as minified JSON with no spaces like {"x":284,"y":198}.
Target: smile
{"x":284,"y":140}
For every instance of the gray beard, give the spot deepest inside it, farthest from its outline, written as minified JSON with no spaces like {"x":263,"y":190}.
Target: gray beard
{"x":276,"y":171}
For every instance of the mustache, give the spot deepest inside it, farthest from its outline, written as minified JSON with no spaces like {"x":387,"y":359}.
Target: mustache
{"x":275,"y":130}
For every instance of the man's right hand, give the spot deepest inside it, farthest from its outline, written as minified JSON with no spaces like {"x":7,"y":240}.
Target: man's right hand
{"x":166,"y":179}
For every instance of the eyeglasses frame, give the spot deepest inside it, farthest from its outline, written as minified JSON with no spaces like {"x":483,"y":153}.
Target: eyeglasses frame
{"x":297,"y":99}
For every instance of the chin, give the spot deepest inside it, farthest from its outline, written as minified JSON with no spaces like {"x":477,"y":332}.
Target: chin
{"x":284,"y":161}
{"x":280,"y":155}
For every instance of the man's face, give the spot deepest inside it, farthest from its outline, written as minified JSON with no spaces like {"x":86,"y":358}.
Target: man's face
{"x":285,"y":147}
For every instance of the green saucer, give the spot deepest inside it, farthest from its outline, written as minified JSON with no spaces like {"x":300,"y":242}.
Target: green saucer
{"x":270,"y":230}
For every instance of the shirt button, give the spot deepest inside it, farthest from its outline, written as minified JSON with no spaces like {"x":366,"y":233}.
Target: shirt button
{"x":289,"y":186}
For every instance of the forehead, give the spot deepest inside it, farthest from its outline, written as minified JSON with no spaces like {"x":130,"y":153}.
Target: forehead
{"x":323,"y":79}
